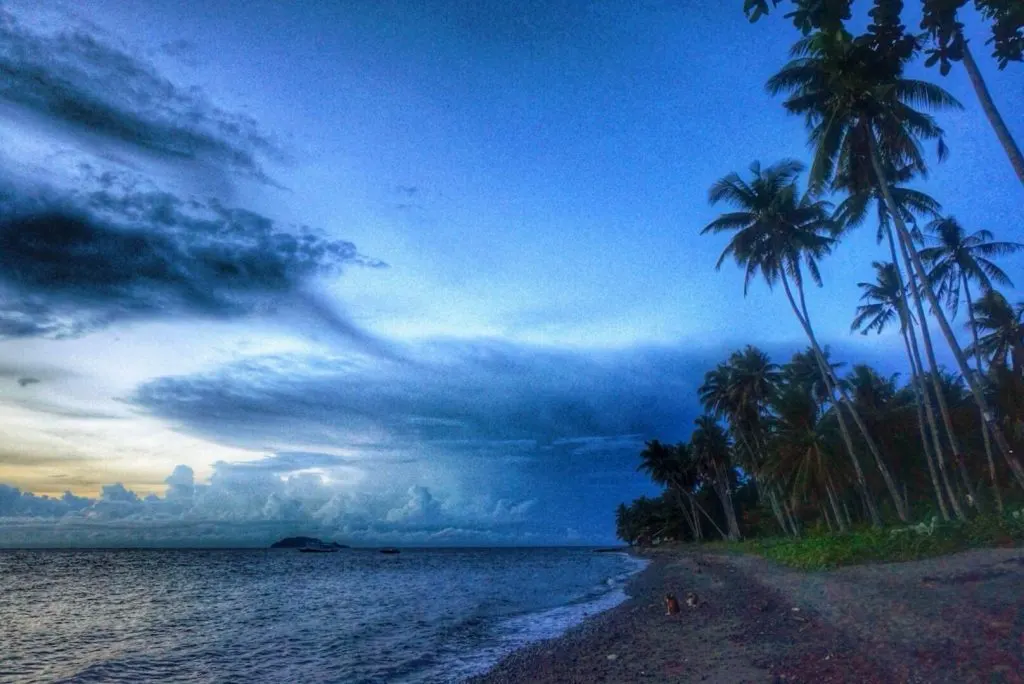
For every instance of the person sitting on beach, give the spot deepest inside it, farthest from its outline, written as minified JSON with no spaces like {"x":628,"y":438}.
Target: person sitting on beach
{"x":671,"y":604}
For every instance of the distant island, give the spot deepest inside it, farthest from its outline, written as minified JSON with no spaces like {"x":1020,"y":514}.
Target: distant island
{"x":305,"y":542}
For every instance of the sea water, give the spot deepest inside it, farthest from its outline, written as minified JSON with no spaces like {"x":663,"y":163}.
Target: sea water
{"x":430,"y":615}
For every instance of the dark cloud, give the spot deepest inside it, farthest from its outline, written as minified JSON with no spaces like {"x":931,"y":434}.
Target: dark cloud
{"x":25,"y":382}
{"x":70,"y":265}
{"x":484,"y":397}
{"x":77,"y":80}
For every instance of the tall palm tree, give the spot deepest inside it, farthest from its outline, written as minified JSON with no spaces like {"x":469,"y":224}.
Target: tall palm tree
{"x":779,"y":232}
{"x":711,"y":446}
{"x":950,"y":44}
{"x":851,"y":212}
{"x":957,"y":260}
{"x":675,"y":467}
{"x":860,"y":110}
{"x":885,"y":304}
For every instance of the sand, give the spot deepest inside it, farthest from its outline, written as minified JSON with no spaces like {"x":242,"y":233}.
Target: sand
{"x":958,"y":618}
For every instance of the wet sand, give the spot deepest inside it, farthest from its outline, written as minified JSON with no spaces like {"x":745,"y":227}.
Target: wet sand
{"x":958,"y":618}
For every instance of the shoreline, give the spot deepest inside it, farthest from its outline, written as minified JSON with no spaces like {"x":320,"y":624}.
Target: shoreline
{"x":957,"y":618}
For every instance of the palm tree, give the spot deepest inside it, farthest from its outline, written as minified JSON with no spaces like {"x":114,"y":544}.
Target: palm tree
{"x":941,"y":21}
{"x":884,"y":304}
{"x":711,"y":447}
{"x":800,"y":449}
{"x":860,"y":112}
{"x":851,"y":212}
{"x":738,"y":391}
{"x":1001,"y":331}
{"x":779,"y":232}
{"x":674,"y":467}
{"x":956,"y":261}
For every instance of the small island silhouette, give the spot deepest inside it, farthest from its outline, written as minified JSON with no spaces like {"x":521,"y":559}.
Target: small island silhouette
{"x":306,"y":543}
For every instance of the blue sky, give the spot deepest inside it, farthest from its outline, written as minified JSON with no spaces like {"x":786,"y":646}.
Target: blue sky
{"x":389,"y":272}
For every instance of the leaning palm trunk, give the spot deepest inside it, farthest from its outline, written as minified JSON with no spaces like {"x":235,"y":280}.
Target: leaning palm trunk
{"x":979,"y":394}
{"x":994,"y":118}
{"x":984,"y":428}
{"x":862,"y":484}
{"x":833,"y":499}
{"x":691,"y":522}
{"x":929,"y":350}
{"x":890,"y":484}
{"x":759,"y":484}
{"x":722,"y":489}
{"x":916,"y":383}
{"x":918,"y":370}
{"x":925,"y":412}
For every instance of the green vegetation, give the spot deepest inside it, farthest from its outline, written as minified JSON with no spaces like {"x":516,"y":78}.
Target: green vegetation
{"x":814,"y":463}
{"x":824,"y":551}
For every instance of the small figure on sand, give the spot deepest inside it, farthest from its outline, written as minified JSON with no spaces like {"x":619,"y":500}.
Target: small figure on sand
{"x":691,"y":599}
{"x":671,"y":604}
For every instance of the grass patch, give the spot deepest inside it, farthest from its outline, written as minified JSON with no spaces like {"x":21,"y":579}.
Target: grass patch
{"x":888,"y":545}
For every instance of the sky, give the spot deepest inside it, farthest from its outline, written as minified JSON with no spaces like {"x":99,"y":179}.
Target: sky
{"x":389,"y":272}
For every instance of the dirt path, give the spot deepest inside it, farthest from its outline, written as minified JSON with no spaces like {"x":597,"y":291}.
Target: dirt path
{"x":953,"y":619}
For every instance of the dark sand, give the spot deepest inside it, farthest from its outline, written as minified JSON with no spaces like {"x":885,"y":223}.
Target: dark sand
{"x":957,"y":619}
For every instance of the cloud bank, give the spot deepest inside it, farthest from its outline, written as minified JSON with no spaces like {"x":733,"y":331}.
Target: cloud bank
{"x":254,"y":503}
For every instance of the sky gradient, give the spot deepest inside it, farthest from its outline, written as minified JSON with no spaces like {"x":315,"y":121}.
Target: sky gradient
{"x":394,"y":273}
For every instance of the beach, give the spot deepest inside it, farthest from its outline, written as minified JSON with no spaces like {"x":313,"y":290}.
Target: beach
{"x":957,"y":618}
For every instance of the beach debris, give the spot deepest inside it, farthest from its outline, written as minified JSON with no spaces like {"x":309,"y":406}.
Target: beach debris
{"x":612,"y":656}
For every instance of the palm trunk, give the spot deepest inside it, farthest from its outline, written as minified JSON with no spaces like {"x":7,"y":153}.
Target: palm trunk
{"x":915,"y":382}
{"x":835,"y":504}
{"x":693,"y":500}
{"x":979,"y":394}
{"x":792,"y":518}
{"x":725,"y":495}
{"x":690,"y":522}
{"x":924,"y":405}
{"x":698,"y":528}
{"x":862,"y":484}
{"x":890,"y":484}
{"x":824,"y":514}
{"x":984,"y":428}
{"x":940,"y":396}
{"x":994,"y":118}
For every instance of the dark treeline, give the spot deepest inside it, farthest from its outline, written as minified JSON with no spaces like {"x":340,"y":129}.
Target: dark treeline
{"x":813,"y":442}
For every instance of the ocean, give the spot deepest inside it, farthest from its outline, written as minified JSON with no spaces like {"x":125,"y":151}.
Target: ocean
{"x":424,"y":615}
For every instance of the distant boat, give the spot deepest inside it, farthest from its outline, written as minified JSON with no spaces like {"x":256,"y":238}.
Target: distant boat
{"x":389,"y":550}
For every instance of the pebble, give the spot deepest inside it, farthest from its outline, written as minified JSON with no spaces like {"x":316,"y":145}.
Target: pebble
{"x":612,"y":656}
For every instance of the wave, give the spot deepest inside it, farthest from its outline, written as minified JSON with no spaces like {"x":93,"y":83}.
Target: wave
{"x":516,"y":632}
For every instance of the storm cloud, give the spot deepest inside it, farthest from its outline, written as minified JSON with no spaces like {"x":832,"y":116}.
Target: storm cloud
{"x":483,"y":397}
{"x":72,"y":264}
{"x":66,"y":78}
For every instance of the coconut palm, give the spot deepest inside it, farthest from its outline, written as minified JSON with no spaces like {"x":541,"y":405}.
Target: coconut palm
{"x":860,"y":111}
{"x":778,"y":233}
{"x":851,"y":212}
{"x":675,"y":468}
{"x":950,"y":45}
{"x":738,"y":391}
{"x":957,"y":260}
{"x":711,"y":448}
{"x":1001,"y":331}
{"x":800,"y":451}
{"x":885,"y":304}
